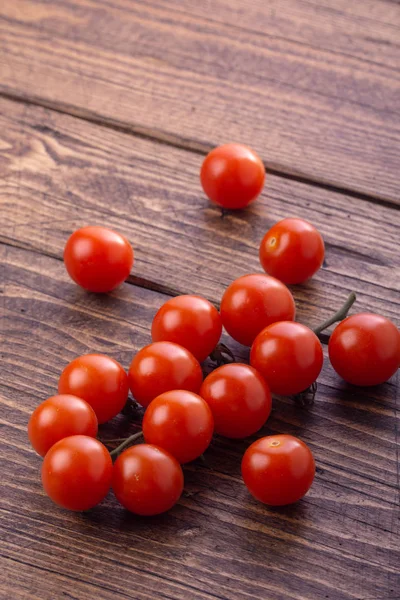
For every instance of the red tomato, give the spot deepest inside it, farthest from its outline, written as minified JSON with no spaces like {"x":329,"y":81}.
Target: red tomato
{"x":77,"y":472}
{"x":97,"y":258}
{"x":292,"y":251}
{"x":190,"y":321}
{"x":147,"y":480}
{"x":59,"y":417}
{"x":278,"y":469}
{"x":98,"y":379}
{"x":251,"y":303}
{"x":239,"y":399}
{"x":180,"y":422}
{"x":364,"y":349}
{"x":289,"y":356}
{"x":161,"y":367}
{"x":232,"y":176}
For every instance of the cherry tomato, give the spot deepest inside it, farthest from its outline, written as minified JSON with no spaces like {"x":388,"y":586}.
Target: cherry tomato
{"x":239,"y":399}
{"x":97,"y":258}
{"x":180,"y":422}
{"x":278,"y":469}
{"x":288,"y":355}
{"x":251,"y":303}
{"x":292,"y":251}
{"x":161,"y":367}
{"x":190,"y":321}
{"x":59,"y":417}
{"x":98,"y":379}
{"x":147,"y":480}
{"x":364,"y":349}
{"x":77,"y":472}
{"x":232,"y":176}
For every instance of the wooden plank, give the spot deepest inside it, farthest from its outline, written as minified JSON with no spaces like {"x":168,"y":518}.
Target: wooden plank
{"x":23,"y":580}
{"x":340,"y":542}
{"x":59,"y":173}
{"x":313,"y":86}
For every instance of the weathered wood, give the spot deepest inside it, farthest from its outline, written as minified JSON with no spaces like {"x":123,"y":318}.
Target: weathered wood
{"x":36,"y":583}
{"x":340,"y":542}
{"x":59,"y":173}
{"x":313,"y":87}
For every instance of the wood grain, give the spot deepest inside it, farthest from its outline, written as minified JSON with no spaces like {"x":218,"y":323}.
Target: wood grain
{"x":59,"y":173}
{"x":312,"y":86}
{"x":150,"y":87}
{"x":340,"y":542}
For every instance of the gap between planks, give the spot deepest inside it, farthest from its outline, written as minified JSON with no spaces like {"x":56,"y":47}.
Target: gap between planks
{"x":175,"y":141}
{"x":139,"y":282}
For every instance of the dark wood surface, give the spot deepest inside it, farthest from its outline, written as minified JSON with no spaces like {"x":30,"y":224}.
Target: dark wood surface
{"x":313,"y":86}
{"x":107,"y":109}
{"x":218,"y":543}
{"x":60,"y":173}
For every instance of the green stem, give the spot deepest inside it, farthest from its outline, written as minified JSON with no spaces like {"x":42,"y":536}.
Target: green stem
{"x":127,"y":442}
{"x":338,"y":316}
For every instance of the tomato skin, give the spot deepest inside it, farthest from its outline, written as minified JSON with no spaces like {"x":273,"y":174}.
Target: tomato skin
{"x":98,"y":379}
{"x":288,"y":355}
{"x":180,"y":422}
{"x":239,"y":399}
{"x":253,"y":302}
{"x":59,"y":417}
{"x":161,"y":367}
{"x":190,"y":321}
{"x":147,"y":480}
{"x":97,"y":258}
{"x":278,"y":469}
{"x":232,"y":176}
{"x":292,"y":251}
{"x":364,"y":349}
{"x":77,"y":472}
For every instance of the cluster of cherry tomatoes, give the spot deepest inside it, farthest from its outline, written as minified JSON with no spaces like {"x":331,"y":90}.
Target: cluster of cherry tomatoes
{"x":182,"y":412}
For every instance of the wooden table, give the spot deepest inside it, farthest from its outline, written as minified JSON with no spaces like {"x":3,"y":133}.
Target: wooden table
{"x":107,"y":108}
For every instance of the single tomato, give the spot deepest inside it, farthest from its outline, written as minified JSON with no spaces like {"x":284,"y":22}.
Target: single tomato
{"x":161,"y":367}
{"x":98,"y":259}
{"x":253,"y":302}
{"x":190,"y":321}
{"x":289,"y":356}
{"x":147,"y":480}
{"x":77,"y":472}
{"x":278,"y":469}
{"x":59,"y":417}
{"x":232,"y":176}
{"x":292,"y":251}
{"x":180,"y":422}
{"x":364,"y":349}
{"x":239,"y":399}
{"x":98,"y":379}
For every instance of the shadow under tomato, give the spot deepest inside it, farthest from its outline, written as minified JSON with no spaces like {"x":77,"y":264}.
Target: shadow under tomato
{"x":129,"y":521}
{"x":290,"y":520}
{"x":347,"y":392}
